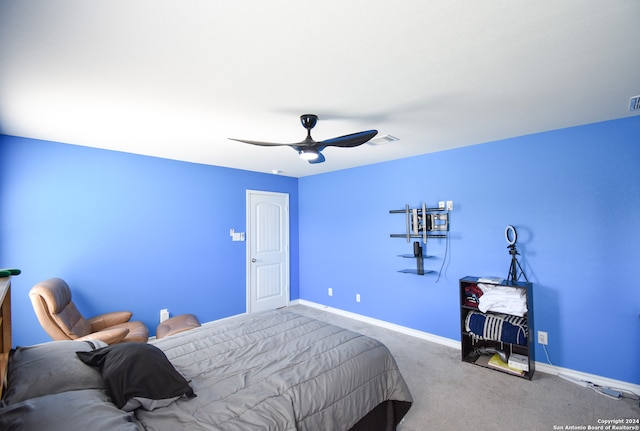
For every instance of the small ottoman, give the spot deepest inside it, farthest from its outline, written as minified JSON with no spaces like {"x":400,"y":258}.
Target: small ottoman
{"x":176,"y":324}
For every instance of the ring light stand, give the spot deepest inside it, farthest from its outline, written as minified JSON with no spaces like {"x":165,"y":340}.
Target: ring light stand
{"x":511,"y":236}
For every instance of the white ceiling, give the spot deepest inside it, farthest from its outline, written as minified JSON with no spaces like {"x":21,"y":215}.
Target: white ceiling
{"x":176,"y":78}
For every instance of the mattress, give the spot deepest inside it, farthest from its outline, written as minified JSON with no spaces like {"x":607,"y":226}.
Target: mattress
{"x":278,"y":370}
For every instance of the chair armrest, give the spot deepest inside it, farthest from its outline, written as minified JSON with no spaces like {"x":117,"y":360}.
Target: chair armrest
{"x":107,"y":320}
{"x":109,"y":336}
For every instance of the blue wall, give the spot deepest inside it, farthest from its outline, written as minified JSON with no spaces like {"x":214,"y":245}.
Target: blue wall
{"x":126,"y":231}
{"x":152,"y":233}
{"x":572,"y":194}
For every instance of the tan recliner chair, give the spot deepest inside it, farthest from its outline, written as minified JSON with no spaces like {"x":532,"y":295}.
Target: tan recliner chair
{"x":61,"y":319}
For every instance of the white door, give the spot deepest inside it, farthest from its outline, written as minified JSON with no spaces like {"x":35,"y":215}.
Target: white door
{"x":267,"y":250}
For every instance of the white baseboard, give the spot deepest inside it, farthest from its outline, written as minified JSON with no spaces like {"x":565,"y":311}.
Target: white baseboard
{"x":540,"y":366}
{"x":579,"y":375}
{"x":381,"y":323}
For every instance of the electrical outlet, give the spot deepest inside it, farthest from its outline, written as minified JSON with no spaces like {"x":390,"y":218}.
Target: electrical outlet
{"x":543,"y":338}
{"x":330,"y":292}
{"x":357,"y":297}
{"x":164,"y":315}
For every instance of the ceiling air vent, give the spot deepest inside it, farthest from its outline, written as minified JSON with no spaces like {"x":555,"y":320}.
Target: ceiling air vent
{"x":634,"y":105}
{"x":381,"y":140}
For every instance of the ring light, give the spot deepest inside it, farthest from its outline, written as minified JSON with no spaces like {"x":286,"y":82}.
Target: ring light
{"x":510,"y":235}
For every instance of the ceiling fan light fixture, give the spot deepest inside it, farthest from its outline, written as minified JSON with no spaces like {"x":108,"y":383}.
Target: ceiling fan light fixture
{"x":309,"y":154}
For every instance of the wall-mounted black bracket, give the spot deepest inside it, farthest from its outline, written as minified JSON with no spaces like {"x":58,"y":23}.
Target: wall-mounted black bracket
{"x":422,"y":223}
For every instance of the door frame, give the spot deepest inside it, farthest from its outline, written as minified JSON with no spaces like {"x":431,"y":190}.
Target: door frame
{"x":249,"y":228}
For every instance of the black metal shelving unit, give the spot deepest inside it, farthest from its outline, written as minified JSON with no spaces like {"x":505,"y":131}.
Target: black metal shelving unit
{"x":469,"y":342}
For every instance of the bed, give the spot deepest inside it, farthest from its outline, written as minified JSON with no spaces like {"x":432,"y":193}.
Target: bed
{"x":275,"y":370}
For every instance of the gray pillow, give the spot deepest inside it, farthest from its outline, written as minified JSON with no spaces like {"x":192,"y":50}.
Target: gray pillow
{"x":88,"y":409}
{"x":50,"y":368}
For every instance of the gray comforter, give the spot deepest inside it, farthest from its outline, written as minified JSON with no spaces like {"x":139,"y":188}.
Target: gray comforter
{"x":276,"y":370}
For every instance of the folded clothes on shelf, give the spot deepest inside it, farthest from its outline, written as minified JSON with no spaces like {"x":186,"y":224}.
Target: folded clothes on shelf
{"x":502,"y":299}
{"x":472,"y":294}
{"x":497,"y":327}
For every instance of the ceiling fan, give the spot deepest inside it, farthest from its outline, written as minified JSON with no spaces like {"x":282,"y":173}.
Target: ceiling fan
{"x":309,"y":149}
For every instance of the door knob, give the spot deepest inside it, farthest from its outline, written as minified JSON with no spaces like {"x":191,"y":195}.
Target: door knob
{"x":253,"y":260}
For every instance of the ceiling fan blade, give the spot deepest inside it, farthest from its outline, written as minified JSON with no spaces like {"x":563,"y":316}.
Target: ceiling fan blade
{"x":352,"y":140}
{"x":263,"y":144}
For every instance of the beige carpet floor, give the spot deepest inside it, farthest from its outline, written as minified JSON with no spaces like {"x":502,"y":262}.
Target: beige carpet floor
{"x":453,"y":395}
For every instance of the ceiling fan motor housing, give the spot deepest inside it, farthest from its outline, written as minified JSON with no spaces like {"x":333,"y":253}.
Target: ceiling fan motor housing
{"x":308,"y":121}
